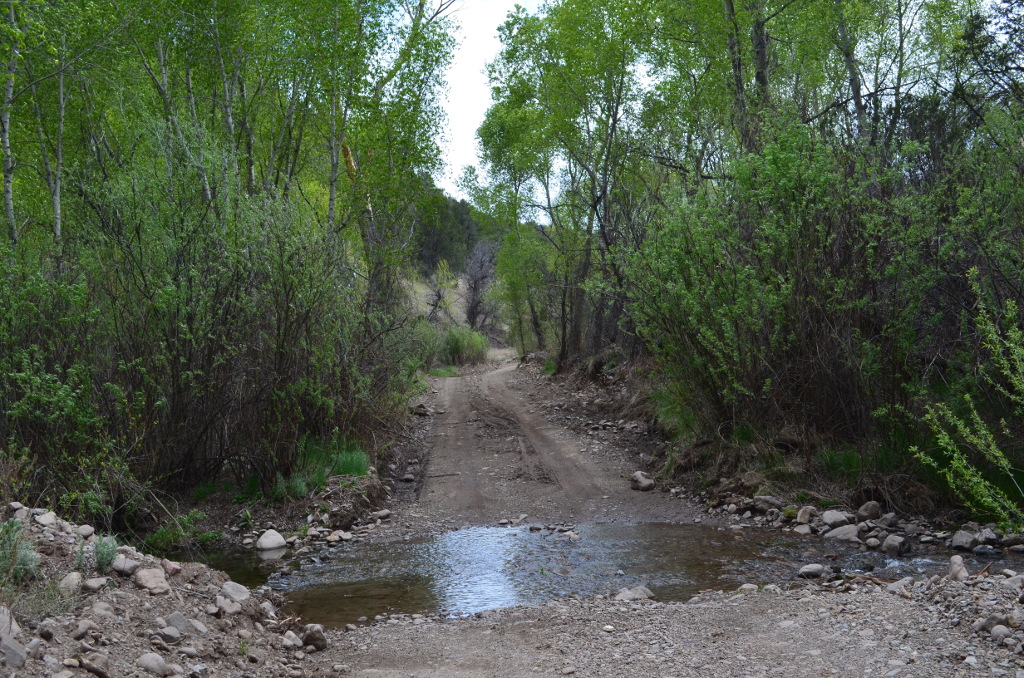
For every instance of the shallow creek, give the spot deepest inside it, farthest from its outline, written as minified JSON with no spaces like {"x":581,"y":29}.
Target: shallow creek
{"x":481,"y":568}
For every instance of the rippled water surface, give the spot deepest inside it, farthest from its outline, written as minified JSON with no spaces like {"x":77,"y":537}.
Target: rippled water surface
{"x":482,"y":568}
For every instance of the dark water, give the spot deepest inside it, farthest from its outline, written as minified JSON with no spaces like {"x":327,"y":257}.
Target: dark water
{"x":482,"y":568}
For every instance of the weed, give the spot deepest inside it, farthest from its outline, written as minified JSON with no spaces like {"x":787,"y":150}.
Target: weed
{"x":175,"y":534}
{"x":18,"y":560}
{"x":550,"y":366}
{"x":444,"y":372}
{"x":279,"y":492}
{"x":464,"y":347}
{"x":204,"y":490}
{"x":104,"y":552}
{"x":251,"y":491}
{"x":298,"y":488}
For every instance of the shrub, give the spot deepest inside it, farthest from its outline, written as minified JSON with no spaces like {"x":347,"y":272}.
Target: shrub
{"x":18,"y":560}
{"x":104,"y":551}
{"x":464,"y":347}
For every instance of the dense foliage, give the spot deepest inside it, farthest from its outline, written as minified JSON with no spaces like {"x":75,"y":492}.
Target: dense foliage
{"x":209,"y":208}
{"x":781,"y":200}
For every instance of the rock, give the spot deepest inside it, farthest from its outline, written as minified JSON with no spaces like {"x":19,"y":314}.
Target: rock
{"x":990,"y":622}
{"x":871,"y":510}
{"x":314,"y":635}
{"x":153,"y":663}
{"x":94,"y":584}
{"x":1015,"y":583}
{"x":227,"y":606}
{"x":803,"y":529}
{"x":964,"y":541}
{"x":7,"y":623}
{"x":806,"y":514}
{"x":872,"y":543}
{"x":169,"y":635}
{"x":125,"y":566}
{"x":171,"y":568}
{"x":812,"y":571}
{"x":291,"y":641}
{"x":1012,"y":540}
{"x":957,"y":569}
{"x":765,"y":503}
{"x":985,"y":550}
{"x":48,"y":519}
{"x":153,"y":580}
{"x":419,"y":410}
{"x":900,"y":587}
{"x":70,"y":585}
{"x":641,"y":481}
{"x":103,"y":609}
{"x":268,"y":609}
{"x":1000,"y":633}
{"x":835,"y":519}
{"x":270,"y":541}
{"x":12,"y":652}
{"x":635,"y":593}
{"x":85,"y":627}
{"x":894,"y":545}
{"x":235,"y":592}
{"x":383,"y":514}
{"x":178,"y":621}
{"x":844,"y":533}
{"x":85,"y":531}
{"x":988,"y":536}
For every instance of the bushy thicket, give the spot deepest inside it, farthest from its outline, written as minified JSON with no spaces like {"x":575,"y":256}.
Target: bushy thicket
{"x":788,"y":231}
{"x":208,"y":210}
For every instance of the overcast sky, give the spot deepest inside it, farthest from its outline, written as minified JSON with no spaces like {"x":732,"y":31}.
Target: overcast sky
{"x":468,"y":92}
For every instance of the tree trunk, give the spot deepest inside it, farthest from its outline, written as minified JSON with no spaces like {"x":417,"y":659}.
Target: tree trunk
{"x":5,"y":125}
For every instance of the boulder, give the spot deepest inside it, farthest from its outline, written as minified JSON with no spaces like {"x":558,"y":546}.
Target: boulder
{"x":765,"y":503}
{"x":835,"y":519}
{"x":48,"y":519}
{"x":71,"y":584}
{"x":152,"y":579}
{"x":7,"y":623}
{"x":635,"y":593}
{"x":85,"y":531}
{"x":964,"y":541}
{"x":812,"y":571}
{"x":988,"y":536}
{"x":844,"y":533}
{"x":957,"y":569}
{"x":270,"y":541}
{"x":12,"y":653}
{"x":153,"y":663}
{"x":94,"y":584}
{"x":871,"y":510}
{"x":125,"y":566}
{"x":235,"y":592}
{"x":894,"y":545}
{"x":641,"y":481}
{"x":314,"y":635}
{"x":806,"y":514}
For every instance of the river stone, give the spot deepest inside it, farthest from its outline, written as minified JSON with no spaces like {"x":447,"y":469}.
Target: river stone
{"x":169,"y":635}
{"x":270,"y":541}
{"x":835,"y":519}
{"x":806,"y":514}
{"x":765,"y":503}
{"x":1015,"y":583}
{"x":871,"y":510}
{"x":235,"y":592}
{"x":382,"y":514}
{"x":957,"y":569}
{"x":153,"y":579}
{"x":812,"y":571}
{"x":227,"y":606}
{"x":872,"y":543}
{"x":1000,"y":633}
{"x":94,"y":584}
{"x":7,"y":623}
{"x":988,"y":536}
{"x":125,"y":566}
{"x":1012,"y":540}
{"x":85,"y":531}
{"x":290,"y":640}
{"x":314,"y":635}
{"x":71,"y":584}
{"x":178,"y":621}
{"x":964,"y":541}
{"x":990,"y":622}
{"x":48,"y":519}
{"x":803,"y":529}
{"x":12,"y":652}
{"x":843,"y":533}
{"x":640,"y":481}
{"x":894,"y":545}
{"x":636,"y":593}
{"x":153,"y":663}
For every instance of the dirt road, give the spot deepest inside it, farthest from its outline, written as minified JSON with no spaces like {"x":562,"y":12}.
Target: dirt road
{"x":494,"y":455}
{"x":496,"y":452}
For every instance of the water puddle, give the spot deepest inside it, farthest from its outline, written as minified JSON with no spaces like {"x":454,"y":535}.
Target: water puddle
{"x":482,"y":568}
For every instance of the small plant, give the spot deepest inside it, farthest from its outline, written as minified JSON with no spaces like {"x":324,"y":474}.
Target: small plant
{"x":178,"y":533}
{"x":251,"y":491}
{"x":80,"y":555}
{"x":245,"y":519}
{"x":204,"y":490}
{"x":18,"y":560}
{"x":279,"y":492}
{"x":550,"y":366}
{"x":464,"y":347}
{"x":298,"y":488}
{"x":444,"y":372}
{"x":104,"y":551}
{"x":243,"y":647}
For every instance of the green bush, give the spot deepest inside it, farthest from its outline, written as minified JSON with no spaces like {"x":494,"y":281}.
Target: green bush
{"x":462,"y":346}
{"x":180,"y":533}
{"x":18,"y":560}
{"x":104,"y":551}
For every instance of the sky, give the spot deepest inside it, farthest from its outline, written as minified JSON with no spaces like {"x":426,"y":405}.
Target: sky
{"x":469,"y":95}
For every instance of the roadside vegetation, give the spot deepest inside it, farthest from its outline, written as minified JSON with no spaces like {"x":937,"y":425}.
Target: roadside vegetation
{"x":806,"y":220}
